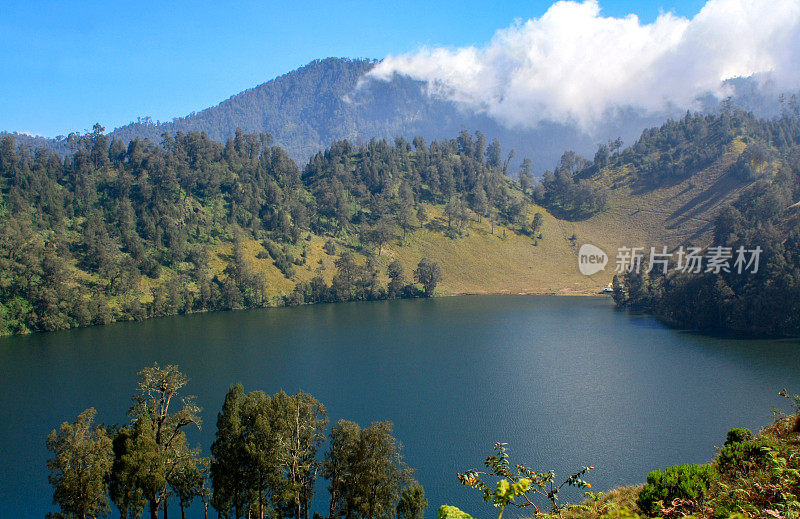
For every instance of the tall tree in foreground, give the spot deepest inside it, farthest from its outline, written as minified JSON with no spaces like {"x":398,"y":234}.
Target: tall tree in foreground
{"x":188,"y":481}
{"x":412,"y":502}
{"x":366,"y":471}
{"x":260,"y":436}
{"x":158,"y":449}
{"x":265,"y":453}
{"x":79,"y":468}
{"x":228,"y":470}
{"x":122,"y":484}
{"x":304,"y":420}
{"x":337,"y":466}
{"x":379,"y":472}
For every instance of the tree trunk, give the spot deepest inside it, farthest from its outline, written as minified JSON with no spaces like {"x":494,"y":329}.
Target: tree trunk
{"x":260,"y":501}
{"x":153,"y":509}
{"x":166,"y":514}
{"x":183,"y":511}
{"x":306,"y":506}
{"x":334,"y":495}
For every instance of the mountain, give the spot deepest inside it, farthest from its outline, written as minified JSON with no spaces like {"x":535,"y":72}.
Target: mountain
{"x":308,"y":109}
{"x":327,"y":100}
{"x":59,"y":145}
{"x":735,"y":186}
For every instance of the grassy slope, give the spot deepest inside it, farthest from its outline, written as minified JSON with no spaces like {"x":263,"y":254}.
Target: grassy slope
{"x":504,"y":262}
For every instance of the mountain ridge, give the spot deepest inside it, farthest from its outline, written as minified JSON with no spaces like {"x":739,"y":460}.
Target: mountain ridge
{"x":309,"y":108}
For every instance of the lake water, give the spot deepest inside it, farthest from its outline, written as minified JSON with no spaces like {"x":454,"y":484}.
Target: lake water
{"x":566,"y":381}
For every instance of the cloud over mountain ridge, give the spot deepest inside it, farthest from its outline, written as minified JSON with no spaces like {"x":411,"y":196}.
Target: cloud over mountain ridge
{"x":574,"y":65}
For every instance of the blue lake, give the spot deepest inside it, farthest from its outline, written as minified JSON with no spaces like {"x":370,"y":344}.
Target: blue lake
{"x":566,"y":381}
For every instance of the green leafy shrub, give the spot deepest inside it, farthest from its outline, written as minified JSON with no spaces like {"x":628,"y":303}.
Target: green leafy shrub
{"x":621,"y":513}
{"x":738,"y":435}
{"x":740,"y":450}
{"x":680,"y":481}
{"x":452,"y":512}
{"x":737,"y":455}
{"x":520,"y":481}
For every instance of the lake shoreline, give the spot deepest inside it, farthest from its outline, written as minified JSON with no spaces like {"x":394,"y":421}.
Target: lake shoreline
{"x":200,"y":312}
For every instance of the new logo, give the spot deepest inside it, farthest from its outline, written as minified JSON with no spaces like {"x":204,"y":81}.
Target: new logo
{"x":591,"y":259}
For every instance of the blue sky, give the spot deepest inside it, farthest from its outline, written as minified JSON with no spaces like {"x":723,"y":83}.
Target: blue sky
{"x":67,"y":65}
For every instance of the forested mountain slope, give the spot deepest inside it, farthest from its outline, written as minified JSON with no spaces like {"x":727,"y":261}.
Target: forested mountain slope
{"x":115,"y":232}
{"x":764,"y":156}
{"x":128,"y":232}
{"x":306,"y":110}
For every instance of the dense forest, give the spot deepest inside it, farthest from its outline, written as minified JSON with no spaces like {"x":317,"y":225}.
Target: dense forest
{"x":116,"y":233}
{"x":682,"y":147}
{"x":265,"y":459}
{"x":765,"y":215}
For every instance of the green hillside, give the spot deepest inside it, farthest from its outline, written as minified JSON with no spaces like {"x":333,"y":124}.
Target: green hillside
{"x":116,"y":233}
{"x":748,"y":195}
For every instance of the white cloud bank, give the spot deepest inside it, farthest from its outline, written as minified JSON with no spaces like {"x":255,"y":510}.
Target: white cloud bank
{"x":575,"y":65}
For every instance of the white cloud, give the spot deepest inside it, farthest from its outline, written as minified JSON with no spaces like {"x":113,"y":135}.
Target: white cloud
{"x":575,"y":65}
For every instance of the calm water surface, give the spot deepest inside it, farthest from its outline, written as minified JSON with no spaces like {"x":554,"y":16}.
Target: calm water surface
{"x":566,"y":381}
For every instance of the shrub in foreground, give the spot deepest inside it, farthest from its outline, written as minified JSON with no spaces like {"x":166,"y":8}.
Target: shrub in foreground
{"x":517,"y":482}
{"x":678,"y":482}
{"x":738,"y":435}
